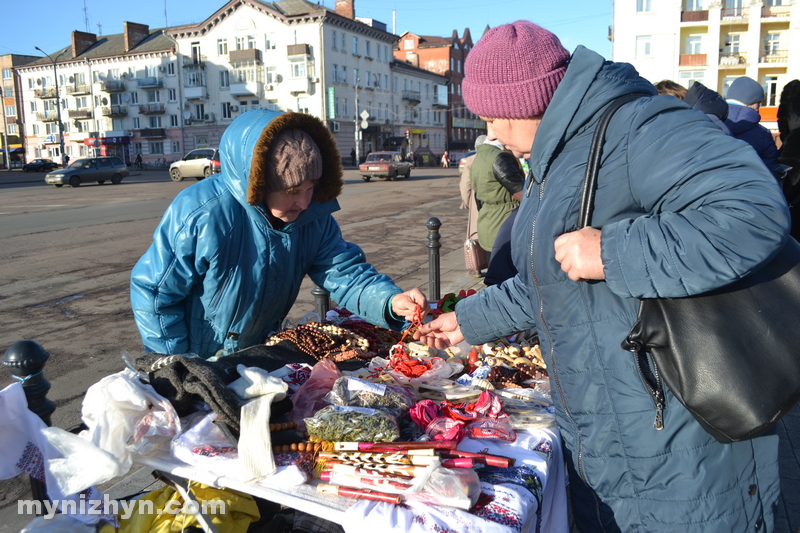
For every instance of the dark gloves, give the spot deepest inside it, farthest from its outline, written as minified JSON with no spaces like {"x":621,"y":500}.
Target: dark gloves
{"x":508,"y":172}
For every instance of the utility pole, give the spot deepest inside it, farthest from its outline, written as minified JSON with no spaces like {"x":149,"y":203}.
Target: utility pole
{"x":358,"y":131}
{"x":58,"y":104}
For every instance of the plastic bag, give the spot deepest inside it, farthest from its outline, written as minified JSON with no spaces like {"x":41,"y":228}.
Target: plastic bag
{"x":457,"y":487}
{"x":352,"y":424}
{"x":310,"y":397}
{"x":394,"y":399}
{"x":439,"y":369}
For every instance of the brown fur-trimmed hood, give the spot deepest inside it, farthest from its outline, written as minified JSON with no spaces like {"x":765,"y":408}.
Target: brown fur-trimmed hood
{"x":331,"y":181}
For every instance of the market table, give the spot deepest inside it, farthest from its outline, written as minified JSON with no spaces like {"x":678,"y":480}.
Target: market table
{"x":511,"y":509}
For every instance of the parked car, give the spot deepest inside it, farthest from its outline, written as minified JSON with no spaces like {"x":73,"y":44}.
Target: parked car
{"x":200,"y":163}
{"x":463,"y":160}
{"x":384,"y":165}
{"x":40,"y":165}
{"x":99,"y":169}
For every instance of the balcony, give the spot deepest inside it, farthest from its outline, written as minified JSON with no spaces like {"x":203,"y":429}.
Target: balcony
{"x":80,"y":113}
{"x":47,"y":116}
{"x":734,"y":59}
{"x":736,"y":13}
{"x":774,"y":56}
{"x":153,"y":133}
{"x":412,"y":97}
{"x":49,"y":92}
{"x":693,"y":60}
{"x":783,"y":12}
{"x":79,"y":88}
{"x":298,"y":50}
{"x":247,"y":88}
{"x":195,"y":92}
{"x":297,"y":86}
{"x":155,"y":108}
{"x":195,"y":60}
{"x":150,"y":81}
{"x":114,"y":111}
{"x":112,"y":86}
{"x":694,"y":16}
{"x":238,"y":56}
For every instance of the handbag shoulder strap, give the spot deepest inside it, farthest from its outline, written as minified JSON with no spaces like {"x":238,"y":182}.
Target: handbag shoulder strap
{"x":595,"y":153}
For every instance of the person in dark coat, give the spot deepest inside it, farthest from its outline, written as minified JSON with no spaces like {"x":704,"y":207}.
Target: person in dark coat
{"x":353,"y":157}
{"x":681,"y":209}
{"x":744,"y":98}
{"x":709,"y":102}
{"x":789,"y":128}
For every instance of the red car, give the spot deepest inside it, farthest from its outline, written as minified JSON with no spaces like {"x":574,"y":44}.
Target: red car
{"x":384,"y":165}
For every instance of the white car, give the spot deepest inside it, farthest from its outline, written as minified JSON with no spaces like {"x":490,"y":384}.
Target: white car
{"x":200,"y":163}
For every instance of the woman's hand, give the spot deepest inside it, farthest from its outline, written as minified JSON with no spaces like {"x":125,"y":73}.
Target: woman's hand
{"x":440,"y":333}
{"x":579,"y":254}
{"x":405,"y":304}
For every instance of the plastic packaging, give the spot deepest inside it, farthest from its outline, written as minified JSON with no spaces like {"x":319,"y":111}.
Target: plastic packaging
{"x":352,"y":424}
{"x":394,"y":399}
{"x":458,"y":487}
{"x":310,"y":397}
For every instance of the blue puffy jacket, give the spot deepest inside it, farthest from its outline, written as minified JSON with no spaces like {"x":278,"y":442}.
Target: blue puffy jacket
{"x":744,"y":124}
{"x":219,"y":276}
{"x":683,"y":209}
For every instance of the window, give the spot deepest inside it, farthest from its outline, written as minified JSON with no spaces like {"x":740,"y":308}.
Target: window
{"x":222,"y":47}
{"x":355,"y":76}
{"x":772,"y":43}
{"x":155,"y":121}
{"x":355,"y":45}
{"x":298,"y":69}
{"x":13,"y":129}
{"x":343,"y":41}
{"x":6,"y":73}
{"x":694,"y":44}
{"x":367,"y":48}
{"x":642,"y":46}
{"x":643,"y":6}
{"x":196,"y":52}
{"x":271,"y":41}
{"x":151,"y":71}
{"x":333,"y":41}
{"x":335,"y":73}
{"x":226,"y":110}
{"x":694,"y":5}
{"x":240,"y":43}
{"x":137,"y":148}
{"x":172,"y":95}
{"x":36,"y":129}
{"x":367,"y":79}
{"x":251,"y":42}
{"x":271,"y":74}
{"x":732,"y":41}
{"x":156,"y":148}
{"x":134,"y":98}
{"x":81,"y":102}
{"x":345,"y":112}
{"x":176,"y":147}
{"x":343,"y":77}
{"x":136,"y":125}
{"x":11,"y":111}
{"x":173,"y":121}
{"x":153,"y":97}
{"x":408,"y":44}
{"x":199,"y":111}
{"x":687,"y":78}
{"x":224,"y":79}
{"x":116,"y":99}
{"x":385,"y":82}
{"x":770,"y":84}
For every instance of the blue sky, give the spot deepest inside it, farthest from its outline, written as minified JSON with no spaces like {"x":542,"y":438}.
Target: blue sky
{"x":48,"y":24}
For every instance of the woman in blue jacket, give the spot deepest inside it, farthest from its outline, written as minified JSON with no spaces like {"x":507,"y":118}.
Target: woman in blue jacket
{"x":229,"y":255}
{"x":681,"y":208}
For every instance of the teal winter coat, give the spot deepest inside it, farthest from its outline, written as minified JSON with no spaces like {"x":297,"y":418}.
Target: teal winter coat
{"x":683,"y":209}
{"x":220,"y":276}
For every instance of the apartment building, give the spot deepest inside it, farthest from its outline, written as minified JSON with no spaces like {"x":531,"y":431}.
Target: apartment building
{"x":711,"y":41}
{"x":162,"y":93}
{"x":445,"y":56}
{"x":11,"y":140}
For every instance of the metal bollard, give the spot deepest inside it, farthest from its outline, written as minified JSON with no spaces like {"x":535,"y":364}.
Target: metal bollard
{"x":434,"y":275}
{"x":322,"y":301}
{"x":26,"y":360}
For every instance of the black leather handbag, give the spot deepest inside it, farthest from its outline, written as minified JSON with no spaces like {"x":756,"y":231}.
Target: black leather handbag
{"x":730,"y":356}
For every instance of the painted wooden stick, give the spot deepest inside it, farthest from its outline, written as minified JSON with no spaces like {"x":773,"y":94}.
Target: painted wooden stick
{"x":384,"y":447}
{"x":361,"y":494}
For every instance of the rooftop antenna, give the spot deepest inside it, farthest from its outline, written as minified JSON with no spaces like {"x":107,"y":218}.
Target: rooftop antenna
{"x":166,"y":24}
{"x":394,"y":21}
{"x":86,"y":16}
{"x":99,"y":29}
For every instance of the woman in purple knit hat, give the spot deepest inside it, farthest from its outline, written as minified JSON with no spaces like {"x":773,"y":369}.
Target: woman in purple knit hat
{"x":681,"y":209}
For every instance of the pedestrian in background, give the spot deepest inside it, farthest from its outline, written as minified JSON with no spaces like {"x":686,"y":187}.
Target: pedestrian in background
{"x":445,"y":159}
{"x":744,"y":98}
{"x":353,"y":157}
{"x":468,"y":198}
{"x":229,"y":254}
{"x":681,"y":209}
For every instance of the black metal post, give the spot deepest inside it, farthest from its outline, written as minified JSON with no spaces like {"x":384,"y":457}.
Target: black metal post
{"x":26,"y":360}
{"x":433,"y":224}
{"x":322,"y":301}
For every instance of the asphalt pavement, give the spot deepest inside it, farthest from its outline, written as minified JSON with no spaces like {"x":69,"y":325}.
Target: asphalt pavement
{"x":453,"y":277}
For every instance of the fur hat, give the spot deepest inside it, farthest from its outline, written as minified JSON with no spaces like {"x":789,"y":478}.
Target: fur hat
{"x":293,"y":158}
{"x":746,"y":91}
{"x":513,"y":71}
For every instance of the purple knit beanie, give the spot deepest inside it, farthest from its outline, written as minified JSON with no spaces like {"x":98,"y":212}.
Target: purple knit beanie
{"x":513,"y":71}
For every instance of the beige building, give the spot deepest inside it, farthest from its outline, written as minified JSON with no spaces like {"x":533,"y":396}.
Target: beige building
{"x":710,"y":41}
{"x":162,"y":93}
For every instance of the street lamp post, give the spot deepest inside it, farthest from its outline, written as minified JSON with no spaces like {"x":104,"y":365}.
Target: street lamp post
{"x":58,"y":104}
